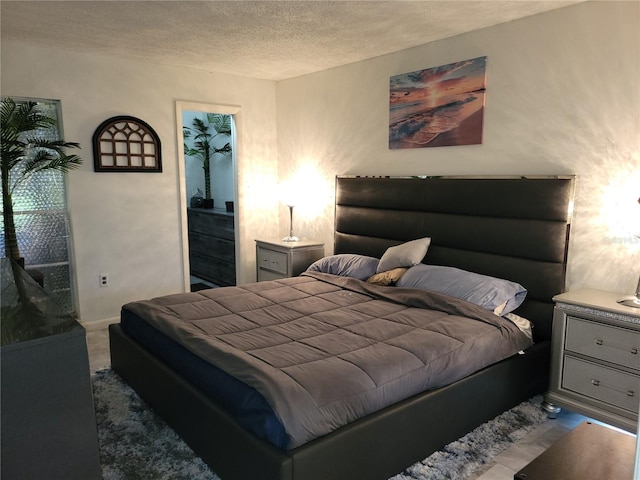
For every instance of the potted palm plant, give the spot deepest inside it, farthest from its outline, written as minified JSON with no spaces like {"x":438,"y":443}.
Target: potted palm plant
{"x":38,"y":339}
{"x":204,"y":133}
{"x":23,"y":154}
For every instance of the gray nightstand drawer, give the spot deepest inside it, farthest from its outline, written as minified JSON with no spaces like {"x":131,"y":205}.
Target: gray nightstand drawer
{"x":264,"y":275}
{"x":276,"y":259}
{"x":272,"y":260}
{"x":604,"y":342}
{"x":605,"y":384}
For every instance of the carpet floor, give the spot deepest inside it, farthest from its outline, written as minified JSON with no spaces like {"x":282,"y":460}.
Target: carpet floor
{"x":137,"y":444}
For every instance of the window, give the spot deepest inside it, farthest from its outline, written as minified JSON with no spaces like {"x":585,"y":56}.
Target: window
{"x":42,"y":220}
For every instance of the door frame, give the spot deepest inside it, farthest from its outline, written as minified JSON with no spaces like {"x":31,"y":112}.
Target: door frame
{"x":234,"y":111}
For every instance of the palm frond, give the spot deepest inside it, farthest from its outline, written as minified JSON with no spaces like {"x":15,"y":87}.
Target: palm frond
{"x":190,"y":152}
{"x":21,"y":143}
{"x":23,"y":117}
{"x":199,"y":125}
{"x":21,"y":148}
{"x":44,"y":160}
{"x":226,"y":150}
{"x":11,"y":156}
{"x":47,"y":160}
{"x":57,"y":145}
{"x":222,"y":123}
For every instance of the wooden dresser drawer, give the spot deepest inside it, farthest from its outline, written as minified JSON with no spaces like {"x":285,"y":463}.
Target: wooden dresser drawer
{"x":220,"y":272}
{"x":602,"y":383}
{"x":212,"y":246}
{"x":212,"y":255}
{"x":275,"y":261}
{"x":605,"y":342}
{"x":218,"y":225}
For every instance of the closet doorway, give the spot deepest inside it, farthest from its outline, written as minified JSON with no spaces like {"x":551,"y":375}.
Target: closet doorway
{"x":208,"y":186}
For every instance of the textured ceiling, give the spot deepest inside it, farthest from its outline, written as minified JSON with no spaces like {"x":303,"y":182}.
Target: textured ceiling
{"x":263,"y":39}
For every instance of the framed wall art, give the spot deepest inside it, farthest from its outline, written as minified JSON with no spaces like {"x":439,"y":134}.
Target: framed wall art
{"x":126,"y":144}
{"x":437,"y":107}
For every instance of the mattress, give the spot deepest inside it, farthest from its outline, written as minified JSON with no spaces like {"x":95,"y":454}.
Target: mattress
{"x":320,"y":351}
{"x":247,"y":406}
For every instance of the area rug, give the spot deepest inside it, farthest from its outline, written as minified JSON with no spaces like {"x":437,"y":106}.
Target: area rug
{"x":137,"y":444}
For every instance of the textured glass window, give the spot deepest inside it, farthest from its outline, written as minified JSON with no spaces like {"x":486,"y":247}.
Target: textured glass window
{"x":42,"y":221}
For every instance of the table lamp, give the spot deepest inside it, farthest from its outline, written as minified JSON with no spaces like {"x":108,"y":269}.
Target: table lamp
{"x":291,"y":237}
{"x":633,"y":300}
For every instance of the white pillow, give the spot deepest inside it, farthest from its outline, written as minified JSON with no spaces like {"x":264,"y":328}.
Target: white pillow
{"x":404,"y":255}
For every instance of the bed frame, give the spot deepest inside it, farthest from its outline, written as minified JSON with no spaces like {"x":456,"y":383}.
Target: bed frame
{"x":514,"y":228}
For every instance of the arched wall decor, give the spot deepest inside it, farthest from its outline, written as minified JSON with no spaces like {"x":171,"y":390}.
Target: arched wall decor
{"x":126,"y":144}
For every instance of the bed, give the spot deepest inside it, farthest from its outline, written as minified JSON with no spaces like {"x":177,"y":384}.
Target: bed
{"x":513,"y":229}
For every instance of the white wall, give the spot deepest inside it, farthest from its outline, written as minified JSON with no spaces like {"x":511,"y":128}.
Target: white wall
{"x":562,"y":98}
{"x":131,"y":225}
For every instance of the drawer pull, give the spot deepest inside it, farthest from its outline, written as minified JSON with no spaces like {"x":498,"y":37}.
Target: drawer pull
{"x":617,"y":346}
{"x":629,"y":393}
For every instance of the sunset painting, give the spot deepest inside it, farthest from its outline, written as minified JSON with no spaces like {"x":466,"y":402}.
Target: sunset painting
{"x":437,"y":107}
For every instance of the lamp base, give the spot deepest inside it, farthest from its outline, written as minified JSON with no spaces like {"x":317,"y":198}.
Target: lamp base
{"x":290,"y":238}
{"x":631,"y":301}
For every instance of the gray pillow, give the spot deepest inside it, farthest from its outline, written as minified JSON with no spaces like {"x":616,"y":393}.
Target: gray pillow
{"x":488,"y":292}
{"x":347,"y":265}
{"x":404,"y":255}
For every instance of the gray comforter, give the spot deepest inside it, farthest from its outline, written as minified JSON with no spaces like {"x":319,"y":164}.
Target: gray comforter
{"x":326,"y":350}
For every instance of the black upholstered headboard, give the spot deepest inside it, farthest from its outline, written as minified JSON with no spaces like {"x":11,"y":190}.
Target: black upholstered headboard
{"x":512,"y":228}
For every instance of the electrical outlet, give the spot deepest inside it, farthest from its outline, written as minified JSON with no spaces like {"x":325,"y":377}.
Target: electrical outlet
{"x":104,"y":280}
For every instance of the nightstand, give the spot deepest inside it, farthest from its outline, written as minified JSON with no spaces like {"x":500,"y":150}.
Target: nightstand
{"x":595,"y":361}
{"x":276,"y":259}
